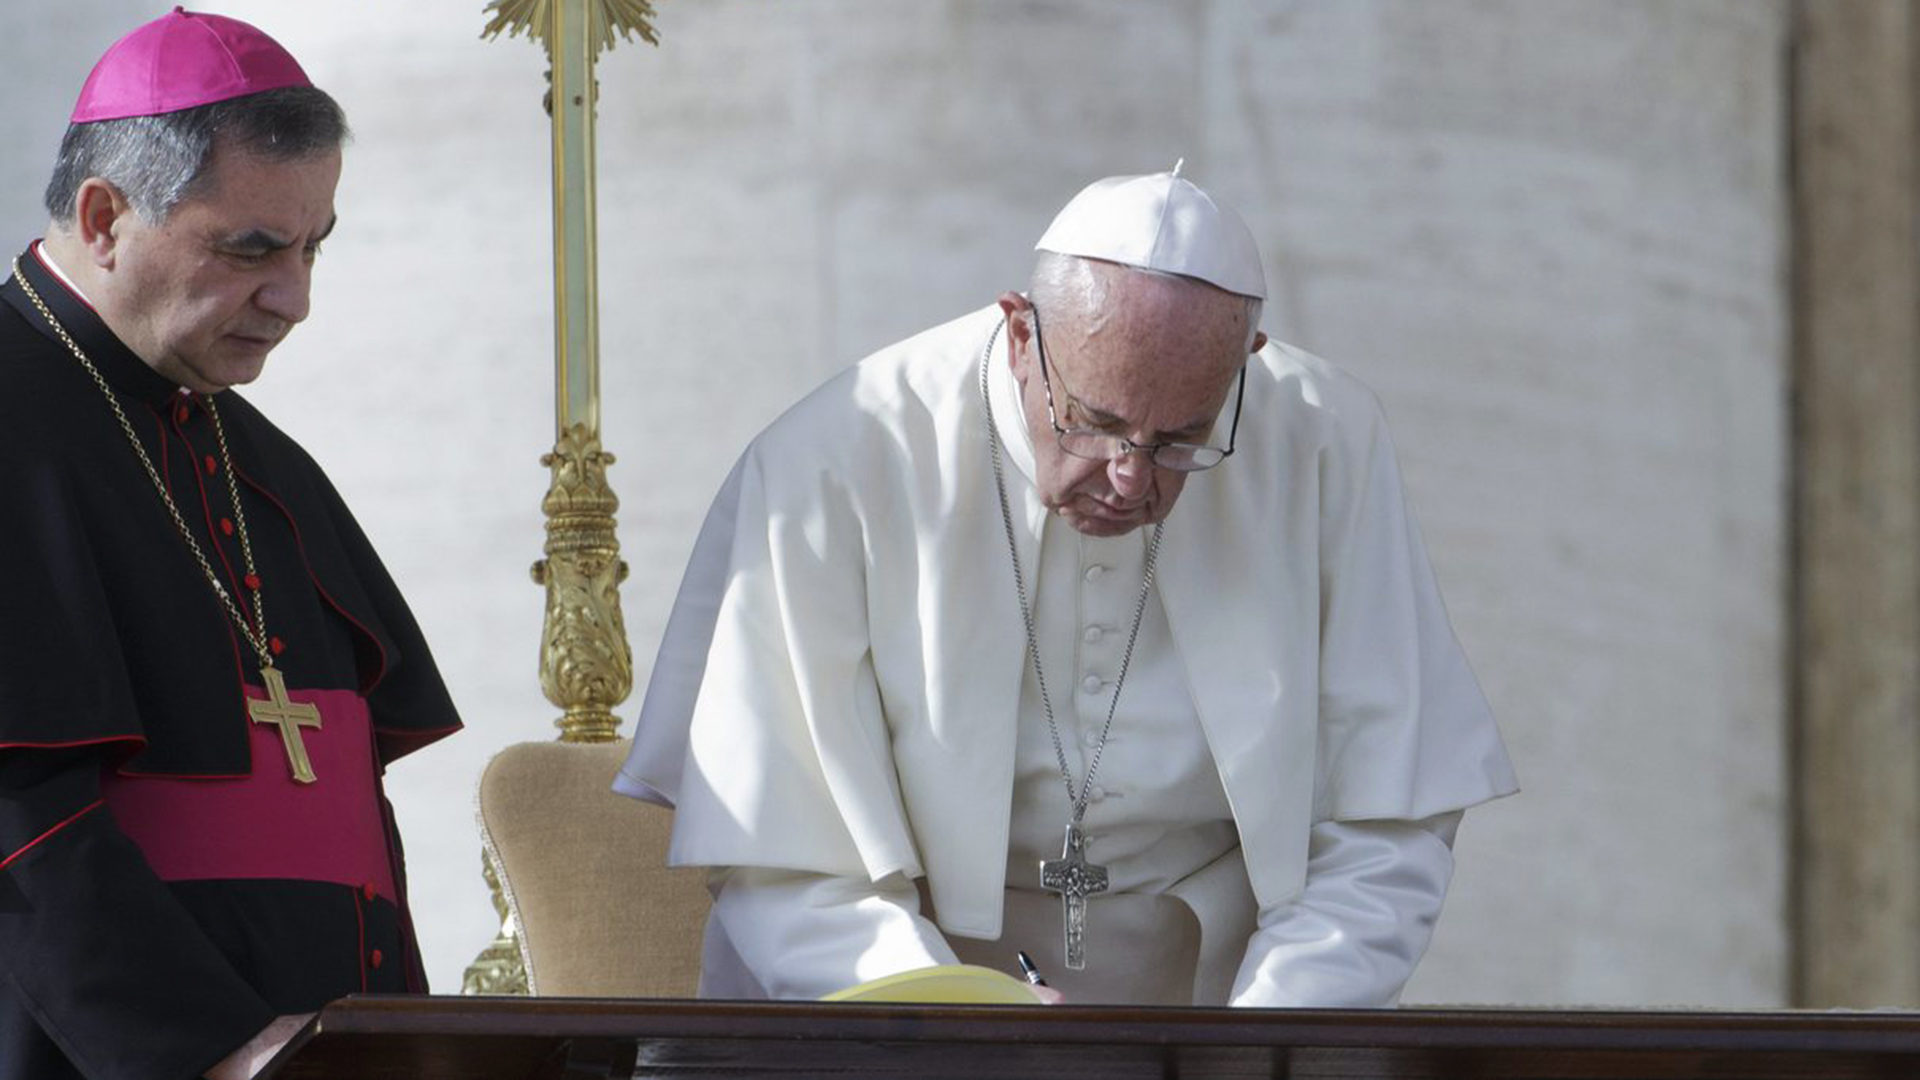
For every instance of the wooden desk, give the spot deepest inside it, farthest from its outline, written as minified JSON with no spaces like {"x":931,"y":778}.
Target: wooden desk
{"x":442,"y":1038}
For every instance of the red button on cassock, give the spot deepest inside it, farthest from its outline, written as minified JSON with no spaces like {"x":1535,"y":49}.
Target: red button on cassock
{"x":279,"y":647}
{"x":212,"y":465}
{"x":226,"y":526}
{"x":180,"y":413}
{"x":367,"y":891}
{"x":253,"y":581}
{"x":375,"y":958}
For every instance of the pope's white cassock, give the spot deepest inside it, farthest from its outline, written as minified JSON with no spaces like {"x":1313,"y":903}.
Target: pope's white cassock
{"x":844,"y":716}
{"x":1270,"y":729}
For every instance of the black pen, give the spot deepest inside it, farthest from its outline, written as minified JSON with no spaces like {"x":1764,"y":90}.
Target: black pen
{"x":1026,"y":968}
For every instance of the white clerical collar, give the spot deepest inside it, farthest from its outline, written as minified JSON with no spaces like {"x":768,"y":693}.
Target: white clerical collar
{"x":46,"y":260}
{"x":1009,"y":417}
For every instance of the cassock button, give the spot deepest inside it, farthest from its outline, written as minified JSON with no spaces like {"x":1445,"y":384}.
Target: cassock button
{"x":212,"y":466}
{"x":1093,"y":572}
{"x":376,"y":958}
{"x":367,"y":891}
{"x":1091,"y":684}
{"x":276,"y":646}
{"x":252,"y":582}
{"x":180,"y":413}
{"x":1093,"y":634}
{"x":226,"y":526}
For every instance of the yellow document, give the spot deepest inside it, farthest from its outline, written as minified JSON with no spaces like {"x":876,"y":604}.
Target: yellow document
{"x":948,"y":984}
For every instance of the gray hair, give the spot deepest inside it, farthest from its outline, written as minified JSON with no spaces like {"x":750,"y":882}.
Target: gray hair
{"x":1070,"y":282}
{"x":158,"y":161}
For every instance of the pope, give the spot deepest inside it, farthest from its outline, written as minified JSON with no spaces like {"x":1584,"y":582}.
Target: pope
{"x":1092,"y":624}
{"x":207,"y":668}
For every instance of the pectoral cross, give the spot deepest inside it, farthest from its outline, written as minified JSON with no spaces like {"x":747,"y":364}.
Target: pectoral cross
{"x":1075,"y":879}
{"x":290,"y":718}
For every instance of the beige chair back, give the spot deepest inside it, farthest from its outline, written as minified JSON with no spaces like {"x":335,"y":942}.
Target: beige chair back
{"x":584,"y":875}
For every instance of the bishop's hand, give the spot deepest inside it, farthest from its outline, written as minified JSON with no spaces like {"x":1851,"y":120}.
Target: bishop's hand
{"x":246,"y":1062}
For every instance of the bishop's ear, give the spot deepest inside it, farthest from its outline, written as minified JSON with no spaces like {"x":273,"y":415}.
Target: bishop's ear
{"x":100,"y":215}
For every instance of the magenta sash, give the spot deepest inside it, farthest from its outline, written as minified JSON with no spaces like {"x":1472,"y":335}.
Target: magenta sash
{"x":266,"y":826}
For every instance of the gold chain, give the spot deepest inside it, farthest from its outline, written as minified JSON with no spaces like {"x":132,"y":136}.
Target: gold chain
{"x":256,"y":631}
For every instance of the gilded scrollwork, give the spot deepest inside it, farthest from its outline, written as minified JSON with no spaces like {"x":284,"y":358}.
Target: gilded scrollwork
{"x":499,"y":969}
{"x":586,"y":665}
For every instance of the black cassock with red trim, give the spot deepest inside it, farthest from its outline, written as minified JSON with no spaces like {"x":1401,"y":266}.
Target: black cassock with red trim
{"x":166,"y":886}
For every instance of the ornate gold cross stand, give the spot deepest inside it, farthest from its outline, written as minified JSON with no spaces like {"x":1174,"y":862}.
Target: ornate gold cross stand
{"x":586,"y":664}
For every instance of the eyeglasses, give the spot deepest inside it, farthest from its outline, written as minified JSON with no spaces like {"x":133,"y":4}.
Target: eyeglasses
{"x":1099,"y":446}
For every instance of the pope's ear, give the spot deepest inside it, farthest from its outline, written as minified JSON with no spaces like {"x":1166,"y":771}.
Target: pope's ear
{"x":1019,"y":313}
{"x":98,"y":210}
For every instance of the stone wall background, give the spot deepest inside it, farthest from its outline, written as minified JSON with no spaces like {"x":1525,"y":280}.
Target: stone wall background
{"x":1550,"y":234}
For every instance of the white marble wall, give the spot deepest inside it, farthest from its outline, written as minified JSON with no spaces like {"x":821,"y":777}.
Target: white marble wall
{"x":1549,"y":233}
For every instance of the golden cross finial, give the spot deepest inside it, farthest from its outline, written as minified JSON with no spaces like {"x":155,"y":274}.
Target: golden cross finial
{"x":605,"y":18}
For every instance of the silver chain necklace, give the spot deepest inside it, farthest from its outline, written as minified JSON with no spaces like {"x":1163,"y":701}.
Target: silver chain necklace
{"x":1071,"y":875}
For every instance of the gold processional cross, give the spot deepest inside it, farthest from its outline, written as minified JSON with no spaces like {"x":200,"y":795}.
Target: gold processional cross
{"x":1075,"y":879}
{"x":290,"y":717}
{"x":586,"y":663}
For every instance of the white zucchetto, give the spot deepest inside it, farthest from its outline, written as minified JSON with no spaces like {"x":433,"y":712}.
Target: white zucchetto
{"x":1160,"y":222}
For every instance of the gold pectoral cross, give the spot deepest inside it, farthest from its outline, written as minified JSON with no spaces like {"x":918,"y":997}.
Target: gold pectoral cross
{"x":290,"y":717}
{"x":1075,"y":879}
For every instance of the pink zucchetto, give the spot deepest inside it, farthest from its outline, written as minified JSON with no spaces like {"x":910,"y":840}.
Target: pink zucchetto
{"x":181,"y":60}
{"x":1160,"y":222}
